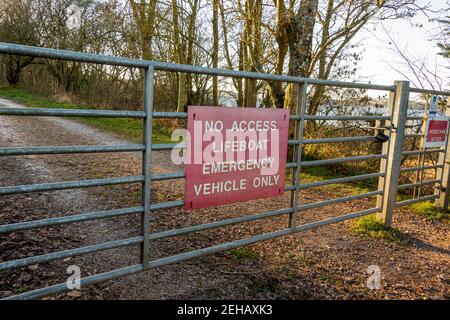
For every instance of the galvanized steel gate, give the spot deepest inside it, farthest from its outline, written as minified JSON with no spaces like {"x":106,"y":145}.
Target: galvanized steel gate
{"x":386,"y":194}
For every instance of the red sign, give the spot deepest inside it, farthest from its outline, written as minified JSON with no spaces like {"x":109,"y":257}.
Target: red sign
{"x":436,"y":132}
{"x":234,"y":155}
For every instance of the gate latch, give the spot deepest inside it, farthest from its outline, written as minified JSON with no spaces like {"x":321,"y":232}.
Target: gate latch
{"x":381,"y":137}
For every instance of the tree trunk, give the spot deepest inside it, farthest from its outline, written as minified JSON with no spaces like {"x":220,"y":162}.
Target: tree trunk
{"x":12,"y":75}
{"x":14,"y":66}
{"x":252,"y":48}
{"x":144,"y":15}
{"x":276,"y":87}
{"x":215,"y":54}
{"x":190,"y":39}
{"x":300,"y":35}
{"x":182,"y":99}
{"x":240,"y":89}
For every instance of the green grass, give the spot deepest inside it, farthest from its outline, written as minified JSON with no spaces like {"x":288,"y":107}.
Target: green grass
{"x":320,"y":173}
{"x":244,"y":253}
{"x":326,"y":277}
{"x":374,"y":228}
{"x":430,"y":212}
{"x":124,"y":127}
{"x":309,"y":174}
{"x":21,"y":289}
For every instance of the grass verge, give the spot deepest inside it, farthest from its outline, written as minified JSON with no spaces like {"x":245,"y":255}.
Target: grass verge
{"x":244,"y":253}
{"x":310,"y":174}
{"x":374,"y":228}
{"x":430,"y":212}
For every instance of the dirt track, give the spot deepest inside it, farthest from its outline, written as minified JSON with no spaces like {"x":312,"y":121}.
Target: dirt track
{"x":329,"y":262}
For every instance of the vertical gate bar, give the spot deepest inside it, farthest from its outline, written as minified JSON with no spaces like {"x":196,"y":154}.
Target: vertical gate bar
{"x":299,"y":129}
{"x":421,"y":156}
{"x":294,"y":156}
{"x":422,"y":172}
{"x":395,"y":151}
{"x":385,"y":148}
{"x":146,"y":164}
{"x":442,"y":188}
{"x":439,"y":172}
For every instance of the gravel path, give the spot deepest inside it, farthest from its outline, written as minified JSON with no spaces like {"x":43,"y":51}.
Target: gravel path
{"x":329,"y":262}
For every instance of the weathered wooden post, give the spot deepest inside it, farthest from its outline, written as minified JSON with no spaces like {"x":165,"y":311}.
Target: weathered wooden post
{"x":398,"y":106}
{"x":385,"y":146}
{"x":442,"y":190}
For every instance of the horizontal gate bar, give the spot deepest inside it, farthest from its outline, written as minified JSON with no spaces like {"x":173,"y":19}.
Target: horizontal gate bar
{"x":168,"y":176}
{"x":413,"y":135}
{"x":70,"y":113}
{"x":350,"y":118}
{"x":418,"y":118}
{"x":222,"y":223}
{"x":218,"y":224}
{"x":421,"y":168}
{"x":338,"y":200}
{"x":411,"y":185}
{"x":35,"y":294}
{"x":166,"y":205}
{"x":167,"y":146}
{"x":262,"y":76}
{"x":7,"y":228}
{"x":17,"y":49}
{"x":59,"y":54}
{"x":418,"y":90}
{"x":170,"y":146}
{"x":411,"y":201}
{"x":339,"y":160}
{"x":8,"y":48}
{"x":14,"y":151}
{"x":417,"y":152}
{"x":85,"y":281}
{"x":291,"y":165}
{"x":182,"y":174}
{"x":68,"y":185}
{"x":334,"y":181}
{"x":341,"y":139}
{"x":69,"y":253}
{"x":183,"y":115}
{"x":177,"y":115}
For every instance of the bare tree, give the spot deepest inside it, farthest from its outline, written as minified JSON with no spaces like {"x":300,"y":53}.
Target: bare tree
{"x":18,"y":25}
{"x":215,"y":53}
{"x":144,"y":14}
{"x":419,"y":70}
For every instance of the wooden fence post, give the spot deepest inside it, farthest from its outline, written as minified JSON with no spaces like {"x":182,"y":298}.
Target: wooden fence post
{"x":399,"y":108}
{"x":385,"y":147}
{"x":443,"y":189}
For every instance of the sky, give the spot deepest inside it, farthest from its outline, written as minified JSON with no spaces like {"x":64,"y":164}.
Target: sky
{"x":414,"y":41}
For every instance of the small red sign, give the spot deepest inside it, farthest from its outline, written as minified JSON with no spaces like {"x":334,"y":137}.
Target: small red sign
{"x":234,"y":155}
{"x":436,"y":132}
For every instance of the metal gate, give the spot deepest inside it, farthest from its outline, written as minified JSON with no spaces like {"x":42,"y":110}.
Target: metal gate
{"x":394,"y":126}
